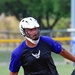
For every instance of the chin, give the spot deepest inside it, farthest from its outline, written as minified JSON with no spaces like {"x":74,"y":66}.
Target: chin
{"x":36,"y":38}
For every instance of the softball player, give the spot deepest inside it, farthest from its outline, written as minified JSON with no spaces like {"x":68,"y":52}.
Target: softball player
{"x":34,"y":53}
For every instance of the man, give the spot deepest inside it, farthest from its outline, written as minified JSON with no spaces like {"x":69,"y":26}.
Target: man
{"x":34,"y":54}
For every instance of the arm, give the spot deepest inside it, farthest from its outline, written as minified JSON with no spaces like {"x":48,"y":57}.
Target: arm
{"x":14,"y":65}
{"x":67,"y":55}
{"x":13,"y":73}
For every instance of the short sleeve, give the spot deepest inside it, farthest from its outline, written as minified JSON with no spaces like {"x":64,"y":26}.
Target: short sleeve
{"x":14,"y":63}
{"x":56,"y":47}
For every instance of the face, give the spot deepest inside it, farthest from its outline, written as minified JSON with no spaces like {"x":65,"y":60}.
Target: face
{"x":32,"y":33}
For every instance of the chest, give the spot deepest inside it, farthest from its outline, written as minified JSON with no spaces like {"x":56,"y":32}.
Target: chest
{"x":39,"y":54}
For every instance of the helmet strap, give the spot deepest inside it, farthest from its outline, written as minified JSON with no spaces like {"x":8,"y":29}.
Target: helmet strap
{"x":32,"y":41}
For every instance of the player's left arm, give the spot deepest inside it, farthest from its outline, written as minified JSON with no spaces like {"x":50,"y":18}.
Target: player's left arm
{"x":67,"y":55}
{"x":13,"y":73}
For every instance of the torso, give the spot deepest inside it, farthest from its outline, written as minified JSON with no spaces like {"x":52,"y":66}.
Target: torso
{"x":38,"y":60}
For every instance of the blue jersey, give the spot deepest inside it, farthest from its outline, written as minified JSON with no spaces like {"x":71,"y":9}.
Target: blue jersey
{"x":36,"y":60}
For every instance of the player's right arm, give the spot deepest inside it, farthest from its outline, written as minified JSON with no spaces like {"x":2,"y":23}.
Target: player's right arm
{"x":15,"y":62}
{"x":14,"y":65}
{"x":13,"y":73}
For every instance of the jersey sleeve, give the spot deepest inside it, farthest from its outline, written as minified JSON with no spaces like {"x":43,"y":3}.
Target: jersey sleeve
{"x":56,"y":47}
{"x":14,"y":63}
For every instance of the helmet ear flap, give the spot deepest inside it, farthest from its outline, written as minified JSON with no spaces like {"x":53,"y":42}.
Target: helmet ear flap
{"x":22,"y":31}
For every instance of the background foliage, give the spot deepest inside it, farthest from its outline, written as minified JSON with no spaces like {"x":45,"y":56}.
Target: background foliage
{"x":47,"y":12}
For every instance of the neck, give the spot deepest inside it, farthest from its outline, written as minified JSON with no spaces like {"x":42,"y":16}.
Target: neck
{"x":30,"y":44}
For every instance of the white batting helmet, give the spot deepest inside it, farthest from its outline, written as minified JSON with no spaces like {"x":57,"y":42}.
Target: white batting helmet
{"x":29,"y":22}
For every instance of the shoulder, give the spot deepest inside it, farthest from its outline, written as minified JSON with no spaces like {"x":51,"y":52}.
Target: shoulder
{"x":56,"y":47}
{"x":46,"y":39}
{"x":18,"y":50}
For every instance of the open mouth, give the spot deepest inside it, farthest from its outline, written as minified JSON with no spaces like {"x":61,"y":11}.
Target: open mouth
{"x":35,"y":37}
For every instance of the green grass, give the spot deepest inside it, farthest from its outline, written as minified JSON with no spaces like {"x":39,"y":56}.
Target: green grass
{"x":62,"y":69}
{"x":65,"y":69}
{"x":4,"y":70}
{"x":5,"y":56}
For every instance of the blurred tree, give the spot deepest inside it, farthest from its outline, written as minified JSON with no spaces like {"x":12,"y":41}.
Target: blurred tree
{"x":47,"y":10}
